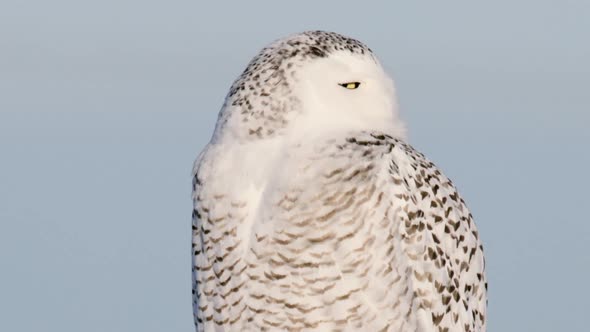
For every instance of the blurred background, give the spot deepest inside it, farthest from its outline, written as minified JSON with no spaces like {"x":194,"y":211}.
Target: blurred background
{"x":104,"y":105}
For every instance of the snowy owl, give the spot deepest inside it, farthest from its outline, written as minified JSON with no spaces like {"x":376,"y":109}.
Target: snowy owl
{"x":312,"y":213}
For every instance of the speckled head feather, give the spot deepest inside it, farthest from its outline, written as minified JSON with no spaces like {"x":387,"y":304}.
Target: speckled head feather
{"x":263,"y":100}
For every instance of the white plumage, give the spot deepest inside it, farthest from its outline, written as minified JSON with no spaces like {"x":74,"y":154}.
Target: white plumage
{"x":312,"y":213}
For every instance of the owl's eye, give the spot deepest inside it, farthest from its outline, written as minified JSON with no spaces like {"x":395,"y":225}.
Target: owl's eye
{"x":350,"y":85}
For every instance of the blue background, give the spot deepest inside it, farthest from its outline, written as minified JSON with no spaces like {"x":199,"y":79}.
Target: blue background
{"x":105,"y":104}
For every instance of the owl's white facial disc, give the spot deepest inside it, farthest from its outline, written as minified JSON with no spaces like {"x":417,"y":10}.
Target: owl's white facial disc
{"x":345,"y":91}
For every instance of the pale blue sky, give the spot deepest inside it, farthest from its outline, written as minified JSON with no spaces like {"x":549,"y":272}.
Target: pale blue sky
{"x":105,"y":104}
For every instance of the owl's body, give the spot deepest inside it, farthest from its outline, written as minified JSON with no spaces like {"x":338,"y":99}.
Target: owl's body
{"x":327,"y":221}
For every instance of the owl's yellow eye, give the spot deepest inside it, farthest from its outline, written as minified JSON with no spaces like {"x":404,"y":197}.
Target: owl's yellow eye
{"x":350,"y":85}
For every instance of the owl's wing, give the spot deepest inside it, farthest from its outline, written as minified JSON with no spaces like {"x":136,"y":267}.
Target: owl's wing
{"x":218,"y":251}
{"x":441,"y":245}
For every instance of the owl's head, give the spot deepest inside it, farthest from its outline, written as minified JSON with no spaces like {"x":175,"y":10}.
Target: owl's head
{"x":310,"y":84}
